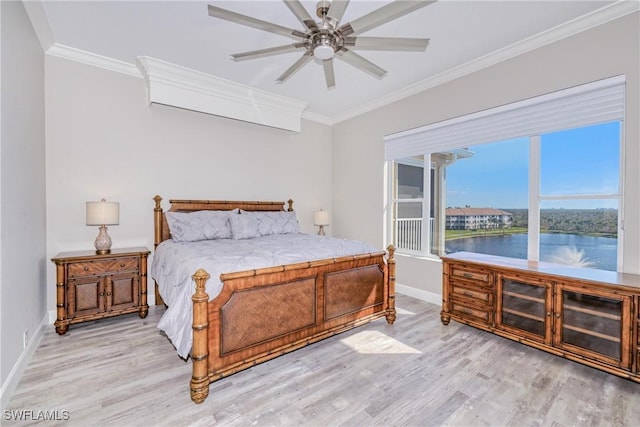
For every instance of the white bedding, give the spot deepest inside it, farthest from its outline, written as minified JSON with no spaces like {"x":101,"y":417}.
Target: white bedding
{"x":175,"y":262}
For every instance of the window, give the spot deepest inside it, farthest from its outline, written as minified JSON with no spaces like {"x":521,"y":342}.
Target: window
{"x":549,"y":191}
{"x":408,"y":199}
{"x":491,"y":201}
{"x":580,"y":196}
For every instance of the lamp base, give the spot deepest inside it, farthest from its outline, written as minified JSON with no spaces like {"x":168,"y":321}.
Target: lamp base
{"x":103,"y":241}
{"x":321,"y":230}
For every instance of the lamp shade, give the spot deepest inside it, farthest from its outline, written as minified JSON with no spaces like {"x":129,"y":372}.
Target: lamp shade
{"x":103,"y":213}
{"x":321,"y":217}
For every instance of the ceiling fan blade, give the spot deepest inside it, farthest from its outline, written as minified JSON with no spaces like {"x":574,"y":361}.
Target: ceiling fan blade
{"x":261,"y":53}
{"x":295,"y":67}
{"x":238,"y":18}
{"x":329,"y":75}
{"x":361,"y":63}
{"x":387,"y":43}
{"x":301,"y":13}
{"x":387,"y":13}
{"x":336,"y":11}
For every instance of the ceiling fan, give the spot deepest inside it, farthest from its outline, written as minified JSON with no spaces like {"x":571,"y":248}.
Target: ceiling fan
{"x":328,"y":39}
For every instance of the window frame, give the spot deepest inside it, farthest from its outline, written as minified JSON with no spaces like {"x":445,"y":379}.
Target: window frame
{"x":534,"y":201}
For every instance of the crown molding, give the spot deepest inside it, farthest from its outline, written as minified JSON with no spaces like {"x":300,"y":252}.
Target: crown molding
{"x":320,"y":118}
{"x":598,"y":17}
{"x":93,"y":59}
{"x":177,"y":86}
{"x":39,"y":22}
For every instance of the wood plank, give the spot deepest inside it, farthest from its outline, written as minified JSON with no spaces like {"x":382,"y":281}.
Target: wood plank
{"x":123,"y":371}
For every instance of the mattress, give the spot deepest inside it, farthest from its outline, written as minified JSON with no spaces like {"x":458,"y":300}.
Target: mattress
{"x":175,"y":262}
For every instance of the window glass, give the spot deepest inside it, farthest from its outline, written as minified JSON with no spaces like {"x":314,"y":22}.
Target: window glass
{"x":410,"y":178}
{"x":408,"y":202}
{"x":486,"y":199}
{"x":579,"y":191}
{"x":580,"y":161}
{"x":582,"y":233}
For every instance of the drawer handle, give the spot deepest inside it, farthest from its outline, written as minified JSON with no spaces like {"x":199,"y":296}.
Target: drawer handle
{"x":122,"y":265}
{"x":101,"y":294}
{"x":86,"y":268}
{"x":108,"y":294}
{"x":467,"y":275}
{"x":467,"y":293}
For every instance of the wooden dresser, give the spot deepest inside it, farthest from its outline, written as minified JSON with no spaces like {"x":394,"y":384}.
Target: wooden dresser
{"x":586,"y":315}
{"x":91,"y":286}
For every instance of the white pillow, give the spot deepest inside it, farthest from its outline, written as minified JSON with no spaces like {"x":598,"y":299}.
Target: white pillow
{"x":200,"y":225}
{"x":280,"y":222}
{"x":244,"y":226}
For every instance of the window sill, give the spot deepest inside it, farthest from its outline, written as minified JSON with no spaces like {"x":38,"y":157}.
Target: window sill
{"x":425,"y":257}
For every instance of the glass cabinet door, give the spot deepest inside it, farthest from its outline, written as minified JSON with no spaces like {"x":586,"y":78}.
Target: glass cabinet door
{"x":524,"y":304}
{"x":594,"y":324}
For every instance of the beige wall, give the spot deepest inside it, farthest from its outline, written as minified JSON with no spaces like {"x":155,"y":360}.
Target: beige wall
{"x":104,"y":141}
{"x":359,"y":182}
{"x":22,"y":190}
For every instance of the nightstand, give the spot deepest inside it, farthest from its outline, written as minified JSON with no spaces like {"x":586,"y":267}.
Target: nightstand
{"x":91,"y":286}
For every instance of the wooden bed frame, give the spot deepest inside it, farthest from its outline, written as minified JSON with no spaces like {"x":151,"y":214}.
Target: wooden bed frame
{"x":264,"y":313}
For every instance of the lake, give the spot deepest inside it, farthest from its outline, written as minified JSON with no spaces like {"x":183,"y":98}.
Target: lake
{"x":596,"y":252}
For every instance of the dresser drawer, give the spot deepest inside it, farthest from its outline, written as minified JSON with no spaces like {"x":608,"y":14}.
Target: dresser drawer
{"x":90,"y":268}
{"x":478,"y":295}
{"x":463,"y":272}
{"x":470,"y":312}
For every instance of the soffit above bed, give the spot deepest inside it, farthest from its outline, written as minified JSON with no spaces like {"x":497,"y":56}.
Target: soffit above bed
{"x":177,"y":86}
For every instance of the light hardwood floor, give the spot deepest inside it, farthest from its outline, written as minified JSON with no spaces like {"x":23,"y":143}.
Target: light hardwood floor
{"x":123,"y":372}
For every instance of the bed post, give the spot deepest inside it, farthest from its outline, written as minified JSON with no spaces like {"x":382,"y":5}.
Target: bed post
{"x":200,"y":350}
{"x":391,"y":265}
{"x":290,"y":202}
{"x":157,"y":221}
{"x":157,"y":237}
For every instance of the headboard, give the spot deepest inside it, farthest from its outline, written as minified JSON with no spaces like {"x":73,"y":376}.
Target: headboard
{"x":161,"y":228}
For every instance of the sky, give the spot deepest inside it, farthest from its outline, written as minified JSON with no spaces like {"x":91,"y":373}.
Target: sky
{"x":577,"y":162}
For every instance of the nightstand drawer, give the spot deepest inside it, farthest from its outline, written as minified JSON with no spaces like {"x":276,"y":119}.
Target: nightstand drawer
{"x":470,"y":274}
{"x":91,"y":268}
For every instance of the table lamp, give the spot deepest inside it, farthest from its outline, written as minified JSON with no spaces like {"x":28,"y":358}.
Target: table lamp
{"x":103,"y":213}
{"x":321,"y":218}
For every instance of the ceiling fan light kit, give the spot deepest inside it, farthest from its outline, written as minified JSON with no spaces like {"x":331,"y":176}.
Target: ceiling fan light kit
{"x":327,"y":39}
{"x":324,"y":51}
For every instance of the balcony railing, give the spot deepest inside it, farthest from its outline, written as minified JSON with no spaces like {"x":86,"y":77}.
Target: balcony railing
{"x":409,"y":234}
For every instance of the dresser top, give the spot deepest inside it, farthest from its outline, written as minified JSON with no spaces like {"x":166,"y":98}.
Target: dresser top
{"x":90,"y":255}
{"x":558,"y":270}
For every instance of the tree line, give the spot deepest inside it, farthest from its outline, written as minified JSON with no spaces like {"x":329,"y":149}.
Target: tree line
{"x":575,"y":221}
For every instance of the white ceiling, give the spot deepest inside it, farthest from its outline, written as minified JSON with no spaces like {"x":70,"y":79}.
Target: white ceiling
{"x":182,"y":32}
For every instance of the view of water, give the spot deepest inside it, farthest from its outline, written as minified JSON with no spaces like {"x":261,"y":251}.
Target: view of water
{"x":599,"y":252}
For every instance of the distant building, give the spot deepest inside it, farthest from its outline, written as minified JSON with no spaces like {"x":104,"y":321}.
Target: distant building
{"x":477,"y":219}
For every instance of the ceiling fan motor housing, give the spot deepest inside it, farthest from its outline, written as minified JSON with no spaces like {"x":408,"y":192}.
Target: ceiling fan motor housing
{"x":325,"y":43}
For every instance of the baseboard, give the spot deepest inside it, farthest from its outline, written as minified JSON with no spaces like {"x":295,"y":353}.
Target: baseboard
{"x":9,"y":386}
{"x":420,"y":294}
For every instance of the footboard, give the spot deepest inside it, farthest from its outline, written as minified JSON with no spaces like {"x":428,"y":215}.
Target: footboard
{"x":262,"y":314}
